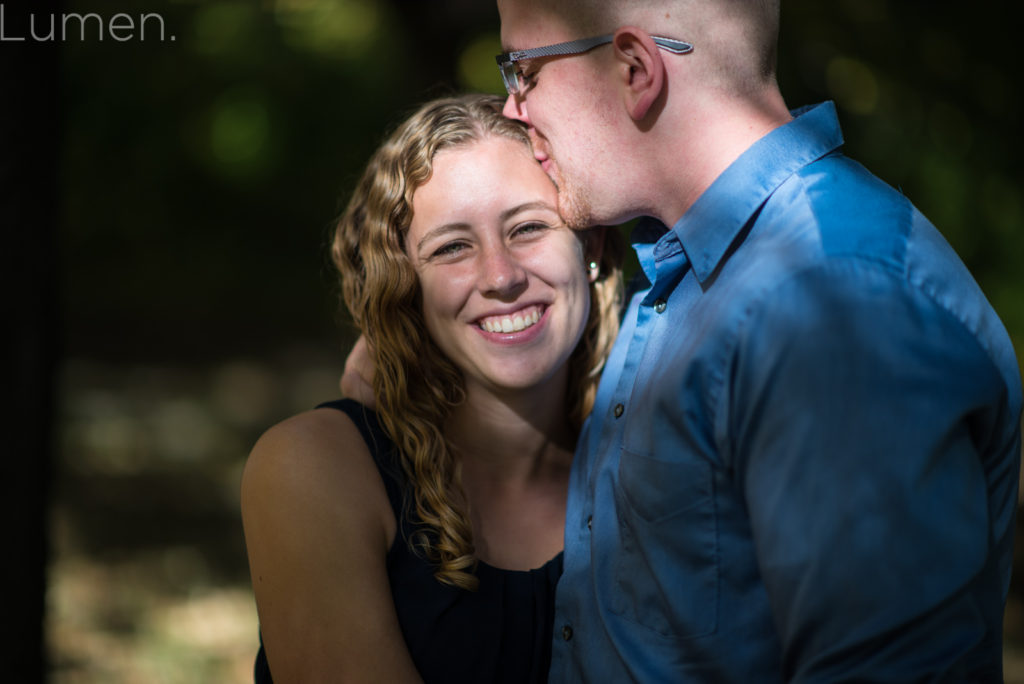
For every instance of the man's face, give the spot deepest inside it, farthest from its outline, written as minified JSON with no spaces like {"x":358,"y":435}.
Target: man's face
{"x":561,"y":104}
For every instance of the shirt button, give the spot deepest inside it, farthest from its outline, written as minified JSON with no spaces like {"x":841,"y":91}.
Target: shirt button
{"x":590,"y":522}
{"x":619,"y":408}
{"x":567,"y":632}
{"x":659,"y":305}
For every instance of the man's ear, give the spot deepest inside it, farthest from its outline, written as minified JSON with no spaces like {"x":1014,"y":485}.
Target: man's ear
{"x":643,"y":71}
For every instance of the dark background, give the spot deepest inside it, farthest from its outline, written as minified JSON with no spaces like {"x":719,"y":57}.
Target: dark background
{"x":165,"y":206}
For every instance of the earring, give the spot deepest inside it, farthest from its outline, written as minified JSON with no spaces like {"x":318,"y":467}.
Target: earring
{"x":592,"y":270}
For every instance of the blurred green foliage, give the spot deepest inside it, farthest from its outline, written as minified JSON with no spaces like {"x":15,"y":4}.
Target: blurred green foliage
{"x":200,"y":175}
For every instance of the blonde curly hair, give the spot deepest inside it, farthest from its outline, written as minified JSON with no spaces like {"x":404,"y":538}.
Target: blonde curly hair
{"x":416,"y":386}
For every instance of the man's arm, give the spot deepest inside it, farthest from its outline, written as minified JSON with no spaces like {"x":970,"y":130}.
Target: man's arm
{"x":870,"y":441}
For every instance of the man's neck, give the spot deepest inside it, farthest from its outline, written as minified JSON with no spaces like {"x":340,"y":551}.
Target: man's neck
{"x":693,"y":147}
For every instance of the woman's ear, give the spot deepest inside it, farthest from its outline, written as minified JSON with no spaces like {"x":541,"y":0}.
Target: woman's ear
{"x":593,"y":250}
{"x":642,"y":70}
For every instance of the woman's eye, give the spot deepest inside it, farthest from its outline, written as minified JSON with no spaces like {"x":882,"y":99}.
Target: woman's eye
{"x":448,"y":250}
{"x":528,"y":229}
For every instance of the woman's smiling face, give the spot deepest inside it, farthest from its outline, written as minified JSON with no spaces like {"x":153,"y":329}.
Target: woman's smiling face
{"x":504,"y":289}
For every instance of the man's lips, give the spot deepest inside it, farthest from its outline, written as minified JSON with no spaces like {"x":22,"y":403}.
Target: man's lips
{"x":543,"y":159}
{"x":539,"y":146}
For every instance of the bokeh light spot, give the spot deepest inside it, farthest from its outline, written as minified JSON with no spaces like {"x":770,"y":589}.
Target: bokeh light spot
{"x":224,"y":29}
{"x":852,"y":84}
{"x":477,"y":69}
{"x":331,"y":28}
{"x":239,"y":133}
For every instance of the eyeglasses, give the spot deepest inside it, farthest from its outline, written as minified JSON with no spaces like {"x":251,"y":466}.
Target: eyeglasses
{"x":507,"y":60}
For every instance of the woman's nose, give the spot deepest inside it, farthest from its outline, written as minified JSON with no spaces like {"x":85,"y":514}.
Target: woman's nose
{"x":501,"y":274}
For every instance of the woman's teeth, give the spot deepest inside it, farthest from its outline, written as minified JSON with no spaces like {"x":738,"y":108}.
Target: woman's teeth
{"x":513,"y":323}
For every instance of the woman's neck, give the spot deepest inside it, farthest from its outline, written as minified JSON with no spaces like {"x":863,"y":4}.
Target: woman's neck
{"x":513,"y":435}
{"x":515,"y":452}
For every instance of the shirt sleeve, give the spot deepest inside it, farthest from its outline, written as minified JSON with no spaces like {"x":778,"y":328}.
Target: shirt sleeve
{"x":862,"y":416}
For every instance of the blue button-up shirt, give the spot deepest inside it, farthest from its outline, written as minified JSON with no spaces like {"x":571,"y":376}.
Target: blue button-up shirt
{"x":802,"y":464}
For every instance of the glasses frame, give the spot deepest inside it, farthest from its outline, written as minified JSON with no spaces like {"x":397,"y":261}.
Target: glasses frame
{"x":507,"y":60}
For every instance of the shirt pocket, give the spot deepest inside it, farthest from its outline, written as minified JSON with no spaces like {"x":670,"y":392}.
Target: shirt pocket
{"x":667,"y":572}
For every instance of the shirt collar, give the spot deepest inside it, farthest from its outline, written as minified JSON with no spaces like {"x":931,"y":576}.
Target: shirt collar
{"x":711,"y":225}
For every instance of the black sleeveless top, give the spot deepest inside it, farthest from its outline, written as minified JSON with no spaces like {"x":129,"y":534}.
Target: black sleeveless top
{"x":499,"y":634}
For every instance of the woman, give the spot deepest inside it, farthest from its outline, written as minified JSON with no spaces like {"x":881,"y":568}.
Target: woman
{"x":423,"y":542}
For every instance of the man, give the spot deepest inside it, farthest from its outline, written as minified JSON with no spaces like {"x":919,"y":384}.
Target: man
{"x":803,"y":460}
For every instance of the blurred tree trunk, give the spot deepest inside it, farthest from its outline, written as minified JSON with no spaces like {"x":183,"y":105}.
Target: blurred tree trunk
{"x":28,"y":216}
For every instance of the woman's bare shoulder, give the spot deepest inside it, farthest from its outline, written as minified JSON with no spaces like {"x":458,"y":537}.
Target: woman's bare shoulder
{"x":310,"y":443}
{"x":318,"y":526}
{"x":315,"y":462}
{"x":321,"y":433}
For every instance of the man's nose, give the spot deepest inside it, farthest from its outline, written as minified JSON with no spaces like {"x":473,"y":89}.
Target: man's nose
{"x":515,"y":108}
